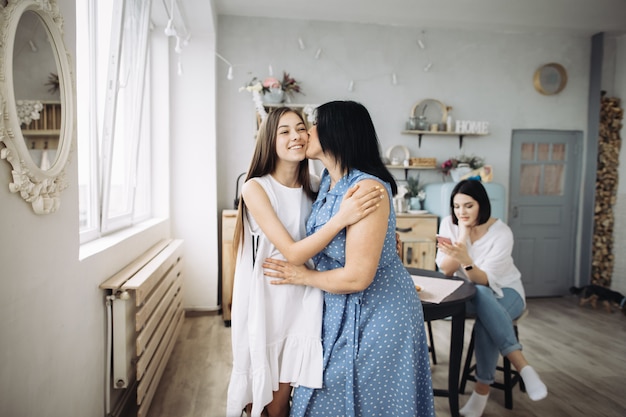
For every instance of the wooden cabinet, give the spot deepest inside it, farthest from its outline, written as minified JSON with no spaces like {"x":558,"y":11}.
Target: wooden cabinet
{"x":229,"y":218}
{"x":418,"y":235}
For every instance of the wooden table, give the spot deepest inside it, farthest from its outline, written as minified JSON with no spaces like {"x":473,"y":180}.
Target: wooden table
{"x":451,"y":306}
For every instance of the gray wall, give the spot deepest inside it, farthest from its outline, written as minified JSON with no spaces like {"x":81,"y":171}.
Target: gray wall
{"x":482,"y":75}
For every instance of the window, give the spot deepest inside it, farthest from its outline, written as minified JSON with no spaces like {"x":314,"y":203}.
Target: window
{"x":113,"y":115}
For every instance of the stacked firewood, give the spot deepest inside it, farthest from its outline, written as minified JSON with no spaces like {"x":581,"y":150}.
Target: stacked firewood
{"x":609,"y":144}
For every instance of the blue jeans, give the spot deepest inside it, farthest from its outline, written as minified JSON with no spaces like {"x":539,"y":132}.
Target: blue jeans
{"x":493,"y":331}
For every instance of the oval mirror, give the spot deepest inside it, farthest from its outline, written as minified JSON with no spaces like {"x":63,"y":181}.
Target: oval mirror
{"x":38,"y":124}
{"x":36,"y":89}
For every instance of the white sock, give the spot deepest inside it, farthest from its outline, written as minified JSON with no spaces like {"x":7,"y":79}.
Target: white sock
{"x":535,"y":388}
{"x":475,"y":406}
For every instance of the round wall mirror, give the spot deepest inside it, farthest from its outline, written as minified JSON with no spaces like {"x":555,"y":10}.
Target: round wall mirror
{"x":38,"y":127}
{"x":550,"y":79}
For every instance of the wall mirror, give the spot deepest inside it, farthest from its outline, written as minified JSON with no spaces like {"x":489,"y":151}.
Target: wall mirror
{"x":37,"y":123}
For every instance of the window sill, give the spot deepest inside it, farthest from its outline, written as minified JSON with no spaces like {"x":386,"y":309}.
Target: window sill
{"x":104,"y":243}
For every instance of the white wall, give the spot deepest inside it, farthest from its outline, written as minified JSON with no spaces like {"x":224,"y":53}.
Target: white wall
{"x":484,"y":76}
{"x":193,"y":157}
{"x":52,"y":313}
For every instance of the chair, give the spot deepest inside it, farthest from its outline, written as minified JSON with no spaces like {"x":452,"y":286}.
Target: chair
{"x":510,"y":376}
{"x":431,"y":344}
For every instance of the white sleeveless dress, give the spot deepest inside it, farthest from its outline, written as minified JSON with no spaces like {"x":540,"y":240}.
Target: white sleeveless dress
{"x":276,"y":330}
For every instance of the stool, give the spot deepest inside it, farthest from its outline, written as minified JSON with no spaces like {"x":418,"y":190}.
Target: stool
{"x":510,"y":376}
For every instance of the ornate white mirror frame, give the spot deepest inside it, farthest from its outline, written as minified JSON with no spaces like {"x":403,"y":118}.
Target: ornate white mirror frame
{"x":39,"y":187}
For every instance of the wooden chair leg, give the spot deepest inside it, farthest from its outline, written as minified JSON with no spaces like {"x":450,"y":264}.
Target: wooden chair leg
{"x":467,"y":368}
{"x":510,"y":376}
{"x":431,"y":340}
{"x":508,"y":389}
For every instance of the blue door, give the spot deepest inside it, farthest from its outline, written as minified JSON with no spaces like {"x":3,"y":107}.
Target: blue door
{"x":543,"y":208}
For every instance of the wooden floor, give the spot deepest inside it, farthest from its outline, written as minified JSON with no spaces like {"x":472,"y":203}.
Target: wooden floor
{"x":579,"y":352}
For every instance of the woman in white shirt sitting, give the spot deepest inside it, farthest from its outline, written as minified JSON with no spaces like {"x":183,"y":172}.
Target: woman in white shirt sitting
{"x":480,"y":251}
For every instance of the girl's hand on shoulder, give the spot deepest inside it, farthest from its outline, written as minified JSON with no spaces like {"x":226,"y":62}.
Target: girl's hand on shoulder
{"x":285,"y":272}
{"x":358,"y":204}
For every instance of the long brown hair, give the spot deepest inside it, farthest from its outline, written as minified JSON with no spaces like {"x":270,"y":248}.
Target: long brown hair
{"x":264,"y":160}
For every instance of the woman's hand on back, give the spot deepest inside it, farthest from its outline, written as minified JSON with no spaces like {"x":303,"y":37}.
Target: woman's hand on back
{"x":284,"y":273}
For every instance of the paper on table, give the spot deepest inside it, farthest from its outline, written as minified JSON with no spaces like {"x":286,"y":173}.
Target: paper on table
{"x":434,"y":290}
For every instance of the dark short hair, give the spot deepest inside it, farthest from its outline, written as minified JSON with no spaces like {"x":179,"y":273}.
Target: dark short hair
{"x":476,"y":190}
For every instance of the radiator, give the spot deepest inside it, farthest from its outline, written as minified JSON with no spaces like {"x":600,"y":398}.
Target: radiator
{"x":145,"y":315}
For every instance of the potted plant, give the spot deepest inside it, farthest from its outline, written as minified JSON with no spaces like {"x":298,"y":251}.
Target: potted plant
{"x":275,"y":90}
{"x":458,"y":166}
{"x":271,"y":91}
{"x":415,"y":193}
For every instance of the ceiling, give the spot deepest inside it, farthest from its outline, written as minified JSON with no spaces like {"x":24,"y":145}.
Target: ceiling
{"x":585,"y":17}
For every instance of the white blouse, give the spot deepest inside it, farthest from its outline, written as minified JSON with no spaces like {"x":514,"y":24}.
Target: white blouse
{"x":492,"y":253}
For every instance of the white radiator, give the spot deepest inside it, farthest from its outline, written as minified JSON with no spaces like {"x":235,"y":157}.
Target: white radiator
{"x":145,"y":315}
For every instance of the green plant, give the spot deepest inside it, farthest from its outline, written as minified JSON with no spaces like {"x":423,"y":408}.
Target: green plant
{"x":289,"y":85}
{"x":413,"y":187}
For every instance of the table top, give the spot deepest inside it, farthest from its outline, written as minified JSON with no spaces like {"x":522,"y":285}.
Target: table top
{"x":460,"y":295}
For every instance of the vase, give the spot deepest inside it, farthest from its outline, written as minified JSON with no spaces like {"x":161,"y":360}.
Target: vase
{"x":458,"y":172}
{"x":274,"y":96}
{"x":422,"y":123}
{"x":415,"y":203}
{"x":400,"y":204}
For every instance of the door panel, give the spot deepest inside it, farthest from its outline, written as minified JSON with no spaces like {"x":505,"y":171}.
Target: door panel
{"x":543,"y":210}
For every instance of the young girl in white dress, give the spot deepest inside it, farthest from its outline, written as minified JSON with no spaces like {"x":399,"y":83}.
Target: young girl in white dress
{"x":276,"y":331}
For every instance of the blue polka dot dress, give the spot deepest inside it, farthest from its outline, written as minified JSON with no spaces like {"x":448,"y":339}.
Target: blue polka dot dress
{"x":376,"y":361}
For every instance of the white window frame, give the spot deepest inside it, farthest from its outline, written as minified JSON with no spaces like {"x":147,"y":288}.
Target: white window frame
{"x":96,"y":135}
{"x":120,"y":45}
{"x":87,"y":121}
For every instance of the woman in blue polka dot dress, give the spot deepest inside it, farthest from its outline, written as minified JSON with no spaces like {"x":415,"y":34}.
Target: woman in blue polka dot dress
{"x":376,"y":361}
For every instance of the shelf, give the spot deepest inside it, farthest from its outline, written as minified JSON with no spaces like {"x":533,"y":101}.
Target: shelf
{"x":420,"y":133}
{"x":292,"y":105}
{"x":296,"y":106}
{"x":47,"y":132}
{"x":410,"y":167}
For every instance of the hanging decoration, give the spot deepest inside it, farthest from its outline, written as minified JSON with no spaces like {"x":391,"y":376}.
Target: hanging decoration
{"x":177,"y":27}
{"x":272,"y":90}
{"x":255,"y":87}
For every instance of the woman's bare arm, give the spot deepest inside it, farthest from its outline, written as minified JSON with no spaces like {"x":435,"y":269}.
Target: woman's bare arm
{"x":364,"y":244}
{"x":356,"y":205}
